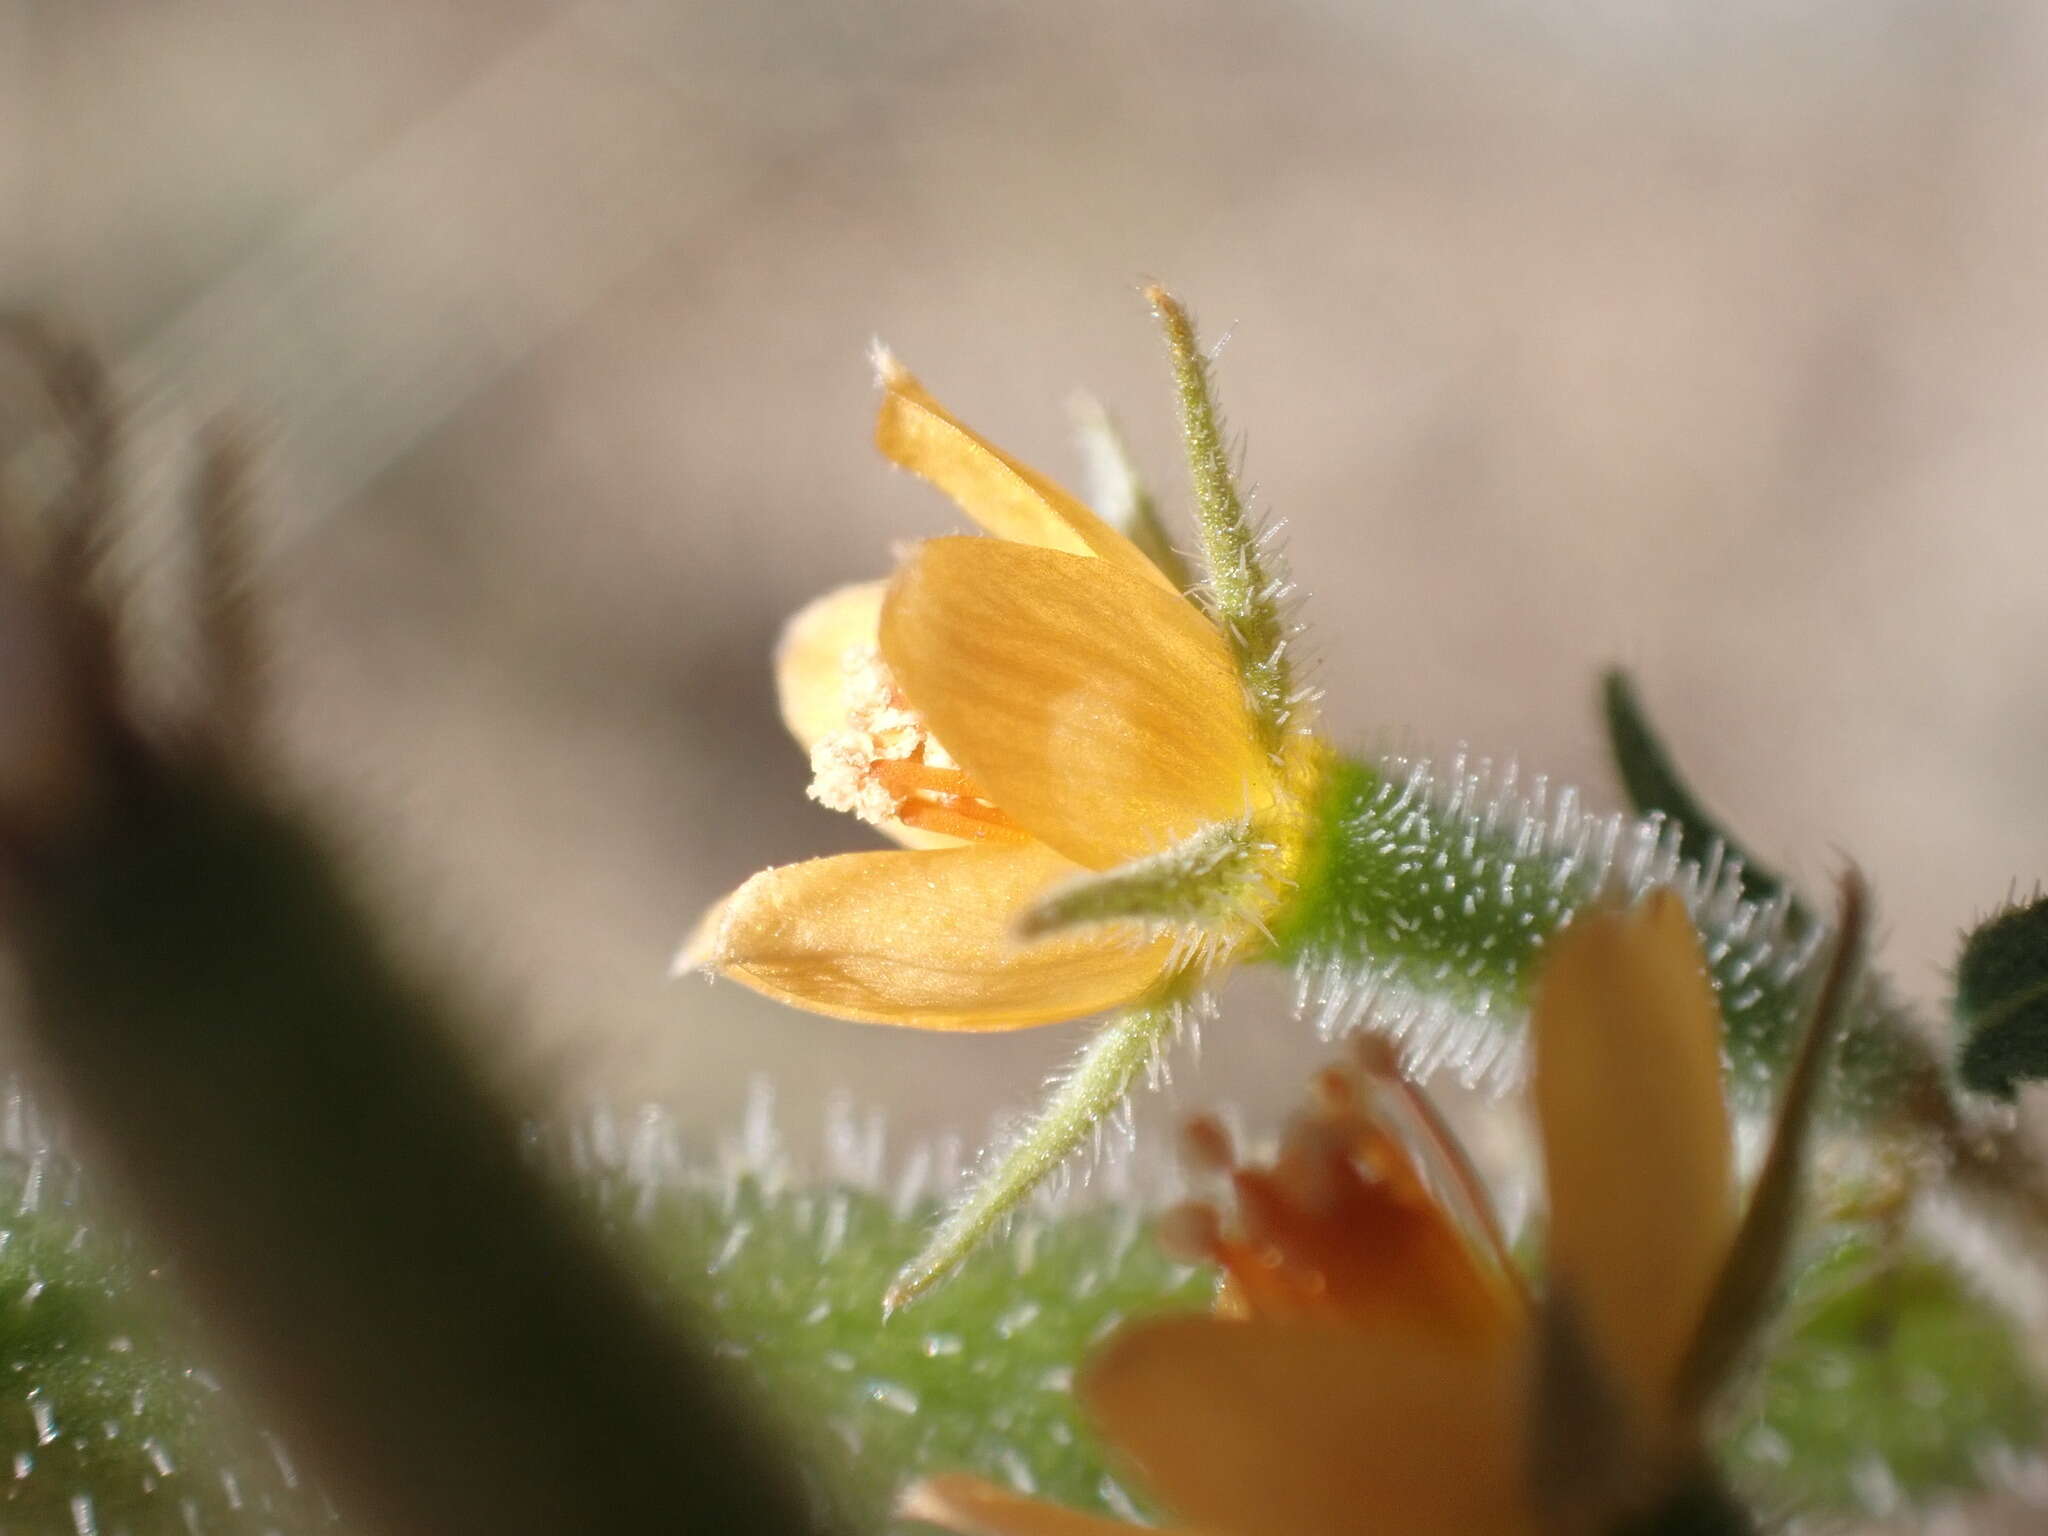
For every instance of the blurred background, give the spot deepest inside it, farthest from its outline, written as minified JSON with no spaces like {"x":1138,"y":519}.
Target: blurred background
{"x":1706,"y":339}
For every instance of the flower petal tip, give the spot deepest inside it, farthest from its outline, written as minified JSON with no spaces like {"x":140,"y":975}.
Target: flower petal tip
{"x":923,"y":1501}
{"x":951,"y":1500}
{"x":889,"y":370}
{"x":703,"y":950}
{"x":968,"y":1505}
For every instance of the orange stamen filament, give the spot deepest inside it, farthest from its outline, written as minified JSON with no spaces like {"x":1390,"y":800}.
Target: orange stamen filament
{"x":1342,"y":1223}
{"x":943,"y":800}
{"x":905,"y":777}
{"x":1445,"y":1152}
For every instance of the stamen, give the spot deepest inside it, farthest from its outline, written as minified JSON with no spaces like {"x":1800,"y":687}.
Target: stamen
{"x":1314,"y":1162}
{"x":1440,"y":1147}
{"x":904,"y":779}
{"x":1191,"y":1233}
{"x":1205,"y":1145}
{"x":973,"y":820}
{"x":1341,"y":1223}
{"x":883,"y":765}
{"x":1333,"y":1091}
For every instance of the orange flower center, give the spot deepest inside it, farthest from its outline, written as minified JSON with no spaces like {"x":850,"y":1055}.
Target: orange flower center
{"x":1341,"y":1225}
{"x":884,"y":765}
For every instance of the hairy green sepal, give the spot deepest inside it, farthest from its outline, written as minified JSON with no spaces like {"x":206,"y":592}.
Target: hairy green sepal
{"x":1210,"y":880}
{"x":1100,"y":1079}
{"x":1239,"y":575}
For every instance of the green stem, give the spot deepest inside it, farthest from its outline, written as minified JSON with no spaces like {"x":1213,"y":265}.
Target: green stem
{"x":1439,"y":890}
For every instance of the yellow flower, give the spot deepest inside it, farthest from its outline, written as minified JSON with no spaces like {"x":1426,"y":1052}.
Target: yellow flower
{"x":1375,"y":1364}
{"x":1023,"y":711}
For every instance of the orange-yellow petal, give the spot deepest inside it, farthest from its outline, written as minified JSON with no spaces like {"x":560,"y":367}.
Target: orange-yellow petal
{"x":810,"y":658}
{"x":1009,"y":499}
{"x":1101,"y":713}
{"x":1314,"y":1429}
{"x":924,"y":938}
{"x":972,"y":1506}
{"x":1627,"y":1083}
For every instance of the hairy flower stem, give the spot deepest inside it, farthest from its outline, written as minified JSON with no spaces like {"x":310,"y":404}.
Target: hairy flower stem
{"x":1100,"y":1079}
{"x":1438,"y":891}
{"x":1429,"y":898}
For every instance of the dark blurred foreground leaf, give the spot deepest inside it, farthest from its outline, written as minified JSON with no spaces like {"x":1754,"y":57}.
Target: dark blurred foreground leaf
{"x":354,"y":1217}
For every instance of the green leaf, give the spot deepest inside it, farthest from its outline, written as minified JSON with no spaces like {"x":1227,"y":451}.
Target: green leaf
{"x":1893,"y":1383}
{"x":112,"y":1413}
{"x":1654,"y":788}
{"x":110,"y":1419}
{"x":1890,"y":1379}
{"x":976,"y":1377}
{"x":2002,"y":1000}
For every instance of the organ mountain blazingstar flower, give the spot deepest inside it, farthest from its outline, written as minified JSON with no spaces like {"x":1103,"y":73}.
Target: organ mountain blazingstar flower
{"x":1026,"y":711}
{"x":1109,"y":789}
{"x":1375,"y":1362}
{"x":1105,"y":783}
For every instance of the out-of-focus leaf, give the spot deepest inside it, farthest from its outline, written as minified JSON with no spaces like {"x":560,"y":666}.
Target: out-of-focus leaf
{"x":110,"y":1419}
{"x":1891,"y":1384}
{"x":111,"y":1413}
{"x":286,"y":1111}
{"x":975,"y":1377}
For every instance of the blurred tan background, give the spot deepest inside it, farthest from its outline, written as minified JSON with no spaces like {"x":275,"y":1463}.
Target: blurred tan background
{"x":1707,"y":338}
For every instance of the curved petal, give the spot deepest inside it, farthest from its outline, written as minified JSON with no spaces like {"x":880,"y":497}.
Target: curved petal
{"x":1009,"y":499}
{"x":1627,"y":1083}
{"x":1099,"y":712}
{"x":810,"y":677}
{"x":1248,"y":1428}
{"x":810,"y":658}
{"x":973,"y":1506}
{"x":923,"y":938}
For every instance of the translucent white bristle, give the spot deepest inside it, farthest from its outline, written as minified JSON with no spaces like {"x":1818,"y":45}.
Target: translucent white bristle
{"x":1463,"y":837}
